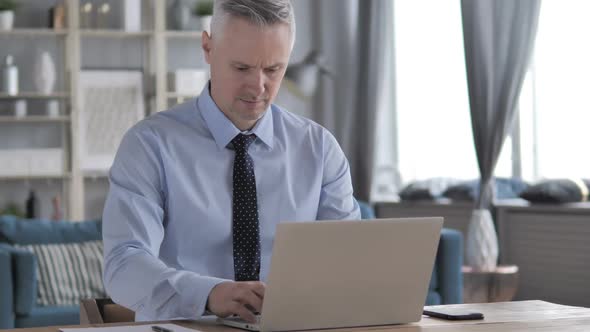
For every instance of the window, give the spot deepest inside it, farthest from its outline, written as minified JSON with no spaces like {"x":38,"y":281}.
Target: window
{"x":434,"y":137}
{"x":554,"y":104}
{"x":432,"y":102}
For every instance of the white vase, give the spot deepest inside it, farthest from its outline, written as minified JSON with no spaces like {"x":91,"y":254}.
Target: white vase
{"x":44,"y":73}
{"x":6,"y":19}
{"x":206,"y":23}
{"x":482,"y":242}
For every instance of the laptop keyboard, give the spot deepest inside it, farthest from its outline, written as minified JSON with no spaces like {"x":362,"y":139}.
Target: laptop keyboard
{"x":240,"y":320}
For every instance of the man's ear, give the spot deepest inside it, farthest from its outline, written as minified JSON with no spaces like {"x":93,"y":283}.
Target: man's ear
{"x":207,"y":44}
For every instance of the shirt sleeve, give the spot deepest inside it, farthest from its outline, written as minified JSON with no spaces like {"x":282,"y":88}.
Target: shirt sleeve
{"x":133,"y":231}
{"x":336,"y":197}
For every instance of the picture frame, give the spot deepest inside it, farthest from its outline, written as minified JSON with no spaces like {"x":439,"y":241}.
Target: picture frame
{"x":109,"y":103}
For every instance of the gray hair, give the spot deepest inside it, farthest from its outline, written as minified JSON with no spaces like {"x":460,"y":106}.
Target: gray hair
{"x":262,"y":13}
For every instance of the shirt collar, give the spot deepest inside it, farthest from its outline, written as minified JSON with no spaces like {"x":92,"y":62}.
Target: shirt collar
{"x":223,"y":130}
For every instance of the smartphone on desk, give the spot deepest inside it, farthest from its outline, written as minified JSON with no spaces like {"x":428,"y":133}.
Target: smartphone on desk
{"x":453,"y":314}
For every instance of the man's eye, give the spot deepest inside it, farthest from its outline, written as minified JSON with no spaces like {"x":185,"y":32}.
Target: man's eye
{"x":242,"y":68}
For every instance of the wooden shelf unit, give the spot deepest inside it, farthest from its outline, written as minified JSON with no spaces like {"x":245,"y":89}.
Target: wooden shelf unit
{"x":156,"y":38}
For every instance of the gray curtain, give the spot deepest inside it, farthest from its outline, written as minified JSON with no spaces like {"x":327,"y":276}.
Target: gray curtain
{"x":356,"y":38}
{"x":498,"y":37}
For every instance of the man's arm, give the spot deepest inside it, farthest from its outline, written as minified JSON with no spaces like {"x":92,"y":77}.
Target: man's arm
{"x":336,"y":197}
{"x":133,"y":231}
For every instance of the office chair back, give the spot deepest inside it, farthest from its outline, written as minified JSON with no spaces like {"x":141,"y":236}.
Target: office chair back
{"x":99,"y":311}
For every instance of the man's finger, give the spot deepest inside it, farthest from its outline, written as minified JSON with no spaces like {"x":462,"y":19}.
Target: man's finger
{"x":258,"y":288}
{"x":250,"y":299}
{"x":247,"y":315}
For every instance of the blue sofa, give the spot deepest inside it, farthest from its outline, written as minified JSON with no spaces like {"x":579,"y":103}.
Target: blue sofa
{"x":18,"y":281}
{"x":446,"y":283}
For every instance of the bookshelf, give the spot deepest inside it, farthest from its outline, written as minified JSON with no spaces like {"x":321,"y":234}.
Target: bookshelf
{"x":30,"y":32}
{"x":34,"y":119}
{"x":154,"y":38}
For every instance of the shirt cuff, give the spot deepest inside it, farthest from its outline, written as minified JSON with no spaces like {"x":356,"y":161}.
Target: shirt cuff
{"x":194,"y":291}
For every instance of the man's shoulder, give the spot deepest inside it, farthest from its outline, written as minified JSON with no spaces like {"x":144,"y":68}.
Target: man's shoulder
{"x":169,"y":121}
{"x":310,"y":136}
{"x":295,"y":123}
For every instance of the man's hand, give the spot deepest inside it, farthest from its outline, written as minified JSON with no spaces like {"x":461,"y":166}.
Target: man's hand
{"x":242,"y":298}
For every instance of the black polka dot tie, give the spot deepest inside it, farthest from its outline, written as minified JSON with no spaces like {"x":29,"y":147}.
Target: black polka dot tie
{"x":246,"y":234}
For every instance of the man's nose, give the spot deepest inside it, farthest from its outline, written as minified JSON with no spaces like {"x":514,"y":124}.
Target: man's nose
{"x":256,"y":83}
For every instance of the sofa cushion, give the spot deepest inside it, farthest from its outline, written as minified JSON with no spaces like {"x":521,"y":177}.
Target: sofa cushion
{"x":26,"y":281}
{"x":449,"y":259}
{"x":367,"y":211}
{"x":50,"y":316}
{"x":558,"y":191}
{"x":433,"y":298}
{"x":23,"y":278}
{"x":6,"y":302}
{"x":433,"y":280}
{"x":505,"y":188}
{"x":426,"y":189}
{"x":33,"y":231}
{"x":68,"y":272}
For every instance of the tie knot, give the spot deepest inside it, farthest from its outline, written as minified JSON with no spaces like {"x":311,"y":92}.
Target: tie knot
{"x":241,"y":142}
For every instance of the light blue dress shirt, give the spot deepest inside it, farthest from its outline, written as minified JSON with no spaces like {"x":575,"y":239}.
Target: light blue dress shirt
{"x":167,"y":223}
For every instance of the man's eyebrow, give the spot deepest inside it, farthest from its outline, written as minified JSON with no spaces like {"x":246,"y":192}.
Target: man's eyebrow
{"x":276,"y":65}
{"x":241,"y":64}
{"x":237,"y":63}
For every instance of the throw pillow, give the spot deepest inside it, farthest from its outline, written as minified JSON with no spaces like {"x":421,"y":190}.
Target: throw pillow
{"x":425,"y":189}
{"x":557,"y":191}
{"x":505,"y":188}
{"x":69,"y":272}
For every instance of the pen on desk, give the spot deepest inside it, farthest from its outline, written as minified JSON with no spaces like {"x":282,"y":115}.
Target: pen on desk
{"x":156,"y":328}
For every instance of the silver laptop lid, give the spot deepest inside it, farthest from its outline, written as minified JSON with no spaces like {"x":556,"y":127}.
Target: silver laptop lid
{"x":331,"y":274}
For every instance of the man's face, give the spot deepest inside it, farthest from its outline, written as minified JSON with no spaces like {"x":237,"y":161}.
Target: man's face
{"x":248,"y":63}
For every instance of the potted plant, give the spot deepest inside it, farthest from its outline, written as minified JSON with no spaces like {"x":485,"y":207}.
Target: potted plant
{"x":7,"y":14}
{"x":204,"y":11}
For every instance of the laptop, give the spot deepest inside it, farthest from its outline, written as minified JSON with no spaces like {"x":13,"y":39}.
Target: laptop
{"x":335,"y":274}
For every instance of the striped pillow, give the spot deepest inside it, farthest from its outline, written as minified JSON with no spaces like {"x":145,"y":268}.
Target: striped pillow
{"x":68,"y":272}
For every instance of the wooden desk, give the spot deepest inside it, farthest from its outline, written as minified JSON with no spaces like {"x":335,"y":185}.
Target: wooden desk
{"x":536,"y":316}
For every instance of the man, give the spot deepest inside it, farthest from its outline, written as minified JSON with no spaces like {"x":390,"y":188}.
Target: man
{"x":196,"y":191}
